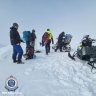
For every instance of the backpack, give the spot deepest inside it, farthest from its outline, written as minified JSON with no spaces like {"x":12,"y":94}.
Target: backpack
{"x":45,"y":38}
{"x":26,"y":35}
{"x":68,"y":38}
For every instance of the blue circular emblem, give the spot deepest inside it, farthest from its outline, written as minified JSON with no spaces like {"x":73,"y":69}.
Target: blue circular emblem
{"x":11,"y":83}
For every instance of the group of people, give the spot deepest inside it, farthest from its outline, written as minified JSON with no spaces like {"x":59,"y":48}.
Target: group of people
{"x":16,"y":41}
{"x":29,"y":38}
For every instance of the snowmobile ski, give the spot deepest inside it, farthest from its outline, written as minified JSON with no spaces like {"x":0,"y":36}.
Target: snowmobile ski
{"x":91,"y":63}
{"x":70,"y":56}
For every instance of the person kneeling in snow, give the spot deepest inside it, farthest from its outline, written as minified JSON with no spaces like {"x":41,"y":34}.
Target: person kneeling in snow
{"x":29,"y":51}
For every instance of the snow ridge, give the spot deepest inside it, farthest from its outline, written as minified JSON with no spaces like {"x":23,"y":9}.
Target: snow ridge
{"x":52,"y":75}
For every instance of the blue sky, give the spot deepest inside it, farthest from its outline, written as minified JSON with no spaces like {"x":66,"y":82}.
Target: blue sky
{"x":77,"y":17}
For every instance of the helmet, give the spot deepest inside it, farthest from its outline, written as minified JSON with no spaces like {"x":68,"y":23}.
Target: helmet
{"x":33,"y":30}
{"x":63,"y":32}
{"x":48,"y":29}
{"x":15,"y":25}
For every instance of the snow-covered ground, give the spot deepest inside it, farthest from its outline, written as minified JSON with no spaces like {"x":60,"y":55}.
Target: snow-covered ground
{"x":1,"y":45}
{"x":52,"y":75}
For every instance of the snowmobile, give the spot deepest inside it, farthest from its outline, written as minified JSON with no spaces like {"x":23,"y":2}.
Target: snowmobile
{"x":86,"y":51}
{"x":65,"y":47}
{"x":65,"y":42}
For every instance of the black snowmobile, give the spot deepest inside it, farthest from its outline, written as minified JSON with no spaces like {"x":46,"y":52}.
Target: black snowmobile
{"x":86,"y":51}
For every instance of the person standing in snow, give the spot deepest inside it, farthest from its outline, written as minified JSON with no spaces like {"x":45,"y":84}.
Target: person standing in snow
{"x":50,"y":38}
{"x":15,"y":42}
{"x":45,"y":42}
{"x":33,"y":37}
{"x":60,"y":39}
{"x":26,"y":37}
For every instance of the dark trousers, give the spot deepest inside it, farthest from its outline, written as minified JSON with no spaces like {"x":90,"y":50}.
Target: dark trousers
{"x":17,"y":50}
{"x":47,"y":49}
{"x":59,"y":46}
{"x":49,"y":42}
{"x":27,"y":44}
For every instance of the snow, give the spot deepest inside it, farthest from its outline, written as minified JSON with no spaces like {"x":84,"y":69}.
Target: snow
{"x":52,"y":75}
{"x":1,"y":45}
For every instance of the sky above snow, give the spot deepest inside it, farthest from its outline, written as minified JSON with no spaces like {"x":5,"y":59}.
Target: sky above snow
{"x":77,"y":17}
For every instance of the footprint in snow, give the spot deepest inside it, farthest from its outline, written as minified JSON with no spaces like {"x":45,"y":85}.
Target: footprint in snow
{"x":27,"y":71}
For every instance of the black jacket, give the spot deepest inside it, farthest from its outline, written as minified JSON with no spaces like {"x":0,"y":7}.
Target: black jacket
{"x":60,"y":38}
{"x":14,"y":36}
{"x":33,"y":36}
